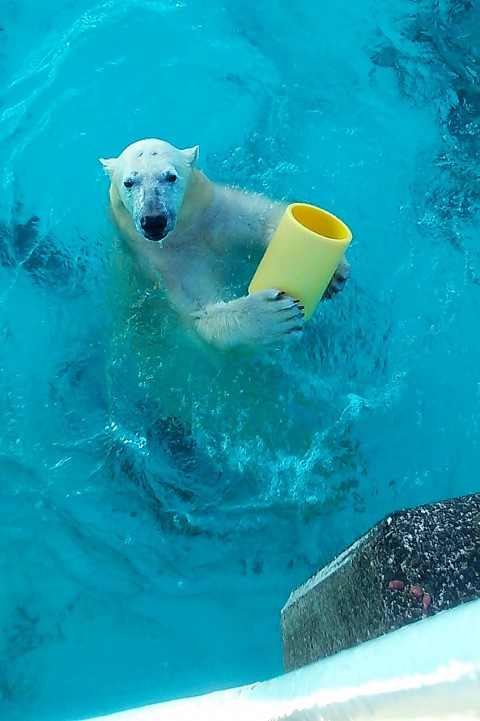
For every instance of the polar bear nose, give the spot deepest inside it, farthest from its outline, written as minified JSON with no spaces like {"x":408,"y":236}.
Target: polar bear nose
{"x":154,"y":225}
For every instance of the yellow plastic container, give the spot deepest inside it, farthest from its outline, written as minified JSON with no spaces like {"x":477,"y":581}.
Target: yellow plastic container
{"x":303,"y":254}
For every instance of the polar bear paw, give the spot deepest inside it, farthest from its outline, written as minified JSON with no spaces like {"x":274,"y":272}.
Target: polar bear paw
{"x":263,"y":318}
{"x":339,"y":279}
{"x":277,"y":315}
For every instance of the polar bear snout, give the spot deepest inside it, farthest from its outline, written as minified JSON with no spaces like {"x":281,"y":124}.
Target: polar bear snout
{"x":154,"y":227}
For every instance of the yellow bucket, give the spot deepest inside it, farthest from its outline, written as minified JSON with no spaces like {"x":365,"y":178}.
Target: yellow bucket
{"x":303,"y":254}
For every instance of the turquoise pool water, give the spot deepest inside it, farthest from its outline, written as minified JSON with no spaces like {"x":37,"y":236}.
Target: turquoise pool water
{"x":157,"y":506}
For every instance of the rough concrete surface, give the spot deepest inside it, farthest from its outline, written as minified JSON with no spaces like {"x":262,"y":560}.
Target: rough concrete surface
{"x":411,"y":565}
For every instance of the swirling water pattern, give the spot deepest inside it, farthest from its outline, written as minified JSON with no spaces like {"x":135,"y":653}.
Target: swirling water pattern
{"x":157,"y":505}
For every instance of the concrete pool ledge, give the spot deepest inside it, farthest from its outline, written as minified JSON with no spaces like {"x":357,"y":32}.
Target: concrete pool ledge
{"x":410,"y":566}
{"x":427,"y":670}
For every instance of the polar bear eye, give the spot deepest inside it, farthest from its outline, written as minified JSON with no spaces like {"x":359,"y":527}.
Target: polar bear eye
{"x":170,"y":177}
{"x":128,"y":183}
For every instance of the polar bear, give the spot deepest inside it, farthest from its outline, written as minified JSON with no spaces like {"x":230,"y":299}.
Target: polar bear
{"x":203,"y":241}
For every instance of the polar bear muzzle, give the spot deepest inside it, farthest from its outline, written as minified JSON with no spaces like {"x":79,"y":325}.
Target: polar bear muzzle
{"x":154,"y":227}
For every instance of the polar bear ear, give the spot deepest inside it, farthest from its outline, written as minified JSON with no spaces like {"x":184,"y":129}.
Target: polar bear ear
{"x":191,"y":155}
{"x":108,"y":165}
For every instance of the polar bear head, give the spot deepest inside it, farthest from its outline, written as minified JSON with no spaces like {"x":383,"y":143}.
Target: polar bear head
{"x":150,"y":178}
